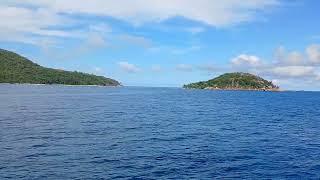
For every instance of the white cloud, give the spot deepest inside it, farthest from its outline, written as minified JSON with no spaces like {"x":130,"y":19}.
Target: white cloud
{"x":32,"y":25}
{"x":212,"y":12}
{"x":20,"y":24}
{"x":245,"y":60}
{"x":90,"y":43}
{"x":26,"y":20}
{"x":276,"y":82}
{"x":96,"y":40}
{"x":287,"y":65}
{"x":100,"y":28}
{"x":293,"y":58}
{"x":294,"y":71}
{"x":311,"y":57}
{"x":29,"y":21}
{"x":313,"y":52}
{"x":127,"y":67}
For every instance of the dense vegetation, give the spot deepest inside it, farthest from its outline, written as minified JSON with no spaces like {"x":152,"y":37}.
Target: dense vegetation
{"x":235,"y":81}
{"x":17,"y":69}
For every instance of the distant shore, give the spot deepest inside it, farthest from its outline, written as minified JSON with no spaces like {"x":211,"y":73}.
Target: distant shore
{"x":59,"y":85}
{"x":244,"y":89}
{"x":239,"y":89}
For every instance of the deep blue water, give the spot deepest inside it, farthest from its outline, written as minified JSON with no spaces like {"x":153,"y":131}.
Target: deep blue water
{"x":60,"y":132}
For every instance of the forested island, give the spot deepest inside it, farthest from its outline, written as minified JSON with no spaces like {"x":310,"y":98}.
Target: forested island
{"x":17,"y":69}
{"x":235,"y":81}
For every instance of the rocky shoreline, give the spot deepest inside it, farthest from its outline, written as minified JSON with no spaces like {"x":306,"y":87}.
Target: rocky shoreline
{"x":242,"y":89}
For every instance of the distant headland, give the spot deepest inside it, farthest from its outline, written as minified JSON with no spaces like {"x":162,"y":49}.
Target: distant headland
{"x":17,"y":69}
{"x":235,"y":81}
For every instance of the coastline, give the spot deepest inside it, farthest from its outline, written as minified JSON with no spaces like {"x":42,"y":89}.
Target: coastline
{"x":239,"y":89}
{"x":69,"y":85}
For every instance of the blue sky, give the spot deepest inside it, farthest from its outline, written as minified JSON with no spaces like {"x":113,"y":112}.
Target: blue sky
{"x":169,"y":42}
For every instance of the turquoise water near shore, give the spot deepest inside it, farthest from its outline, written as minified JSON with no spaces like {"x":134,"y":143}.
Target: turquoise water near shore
{"x":68,"y":132}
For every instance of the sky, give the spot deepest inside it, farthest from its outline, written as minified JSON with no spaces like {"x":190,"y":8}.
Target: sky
{"x":168,"y":43}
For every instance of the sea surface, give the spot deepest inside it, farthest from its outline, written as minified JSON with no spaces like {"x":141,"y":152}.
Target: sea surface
{"x":67,"y":132}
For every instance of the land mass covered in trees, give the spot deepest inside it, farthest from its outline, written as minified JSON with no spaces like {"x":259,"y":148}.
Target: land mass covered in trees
{"x":17,"y":69}
{"x":235,"y":81}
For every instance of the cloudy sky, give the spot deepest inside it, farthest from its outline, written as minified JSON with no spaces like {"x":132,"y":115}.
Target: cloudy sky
{"x":169,"y":42}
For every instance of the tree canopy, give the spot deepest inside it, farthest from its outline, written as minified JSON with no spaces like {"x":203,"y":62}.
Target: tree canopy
{"x":17,"y":69}
{"x":236,"y":80}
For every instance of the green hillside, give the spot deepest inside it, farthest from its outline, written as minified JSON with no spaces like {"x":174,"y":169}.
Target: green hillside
{"x":17,"y":69}
{"x":235,"y":81}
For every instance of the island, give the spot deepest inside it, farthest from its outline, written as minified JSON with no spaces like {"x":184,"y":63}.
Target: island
{"x":235,"y":81}
{"x":18,"y":69}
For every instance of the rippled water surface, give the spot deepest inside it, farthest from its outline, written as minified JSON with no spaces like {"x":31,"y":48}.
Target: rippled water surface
{"x":60,"y":132}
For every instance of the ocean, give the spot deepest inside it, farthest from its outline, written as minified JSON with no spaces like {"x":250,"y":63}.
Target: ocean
{"x":69,"y":132}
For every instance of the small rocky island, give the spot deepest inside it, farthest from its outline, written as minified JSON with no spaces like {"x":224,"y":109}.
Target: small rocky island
{"x":17,"y":69}
{"x":235,"y":81}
